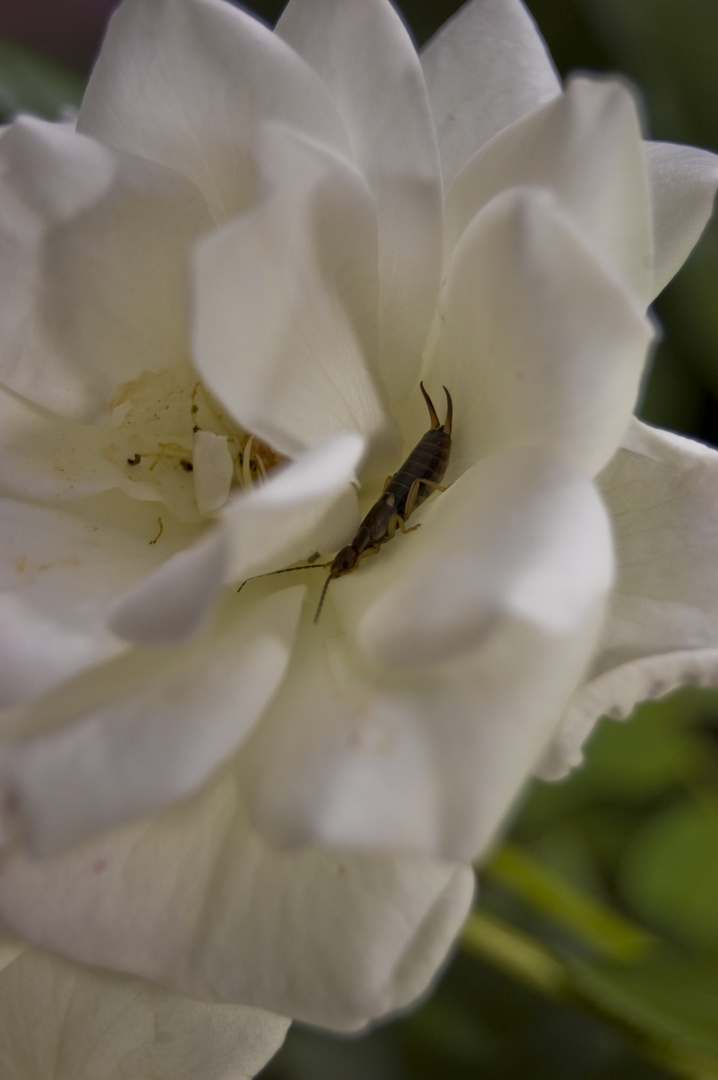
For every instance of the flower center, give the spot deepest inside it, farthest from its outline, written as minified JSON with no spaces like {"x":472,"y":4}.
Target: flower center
{"x":174,"y":437}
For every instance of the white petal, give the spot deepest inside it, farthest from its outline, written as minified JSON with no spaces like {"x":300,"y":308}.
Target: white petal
{"x":512,"y":580}
{"x":683,"y":186}
{"x":284,"y":321}
{"x":46,"y":455}
{"x":62,"y":570}
{"x":63,"y":1021}
{"x":184,"y":84}
{"x":141,"y":732}
{"x":585,"y":147}
{"x":171,"y":604}
{"x":195,"y":900}
{"x":213,"y":470}
{"x":368,"y":63}
{"x":486,"y":67}
{"x":96,"y":290}
{"x":543,"y":344}
{"x":662,"y":494}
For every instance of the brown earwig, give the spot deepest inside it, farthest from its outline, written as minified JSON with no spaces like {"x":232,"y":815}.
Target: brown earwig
{"x":408,"y":488}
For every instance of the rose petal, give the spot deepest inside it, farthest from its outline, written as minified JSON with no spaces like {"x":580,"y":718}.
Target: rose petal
{"x":172,"y":603}
{"x":543,"y":344}
{"x":486,"y":67}
{"x":284,"y":323}
{"x":62,"y":569}
{"x":661,"y":490}
{"x":662,"y":493}
{"x":133,"y":735}
{"x":82,"y":280}
{"x":491,"y":612}
{"x":369,"y":65}
{"x":161,"y":89}
{"x":195,"y":900}
{"x":585,"y":147}
{"x":683,"y":187}
{"x":59,"y":1019}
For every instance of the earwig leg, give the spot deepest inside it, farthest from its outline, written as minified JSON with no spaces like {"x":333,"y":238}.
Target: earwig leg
{"x":411,"y":528}
{"x":386,"y":483}
{"x":374,"y":550}
{"x":411,"y":499}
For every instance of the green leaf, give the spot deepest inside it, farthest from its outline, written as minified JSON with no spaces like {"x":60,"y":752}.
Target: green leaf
{"x":669,"y":873}
{"x":669,"y":999}
{"x":32,"y":83}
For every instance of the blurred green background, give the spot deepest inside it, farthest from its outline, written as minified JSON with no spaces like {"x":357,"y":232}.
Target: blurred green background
{"x":593,"y":953}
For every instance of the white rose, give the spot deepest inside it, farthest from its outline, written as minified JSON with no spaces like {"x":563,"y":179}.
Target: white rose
{"x":240,"y":265}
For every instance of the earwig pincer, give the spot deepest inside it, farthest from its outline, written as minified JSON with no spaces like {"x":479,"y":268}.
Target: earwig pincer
{"x":410,"y":486}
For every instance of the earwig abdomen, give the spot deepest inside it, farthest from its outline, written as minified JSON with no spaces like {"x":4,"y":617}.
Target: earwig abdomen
{"x":427,"y":461}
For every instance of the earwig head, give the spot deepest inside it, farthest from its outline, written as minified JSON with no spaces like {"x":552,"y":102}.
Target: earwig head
{"x":344,"y":561}
{"x":432,"y":411}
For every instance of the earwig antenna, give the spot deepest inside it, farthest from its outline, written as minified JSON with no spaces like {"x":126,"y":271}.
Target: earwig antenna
{"x":285,"y":570}
{"x":321,"y":598}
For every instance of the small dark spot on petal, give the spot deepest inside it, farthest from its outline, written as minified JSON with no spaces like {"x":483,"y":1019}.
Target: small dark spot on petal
{"x":99,"y":865}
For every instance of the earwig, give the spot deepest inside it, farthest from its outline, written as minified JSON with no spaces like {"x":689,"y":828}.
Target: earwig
{"x":408,"y":488}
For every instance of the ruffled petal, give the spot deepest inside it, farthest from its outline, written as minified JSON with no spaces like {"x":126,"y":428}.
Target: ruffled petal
{"x":97,"y":283}
{"x":615,"y":694}
{"x":62,"y":570}
{"x":487,"y":67}
{"x":543,"y":344}
{"x":489,"y":615}
{"x":59,"y":1019}
{"x":585,"y":147}
{"x":284,"y":321}
{"x":683,"y":186}
{"x":662,"y":631}
{"x":185,"y":84}
{"x":195,"y":900}
{"x":368,"y":63}
{"x":138,"y":733}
